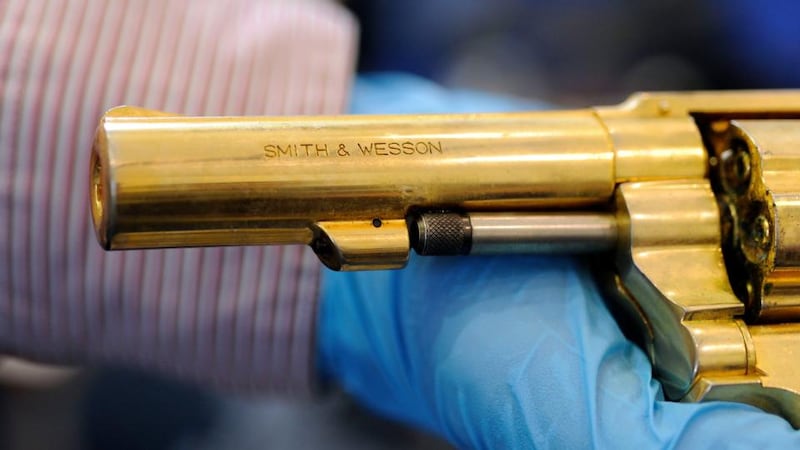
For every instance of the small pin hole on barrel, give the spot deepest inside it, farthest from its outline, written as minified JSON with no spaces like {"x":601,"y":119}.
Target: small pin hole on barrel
{"x":377,"y":222}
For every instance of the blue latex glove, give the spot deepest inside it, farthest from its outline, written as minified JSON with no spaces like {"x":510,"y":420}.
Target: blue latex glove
{"x":506,"y":352}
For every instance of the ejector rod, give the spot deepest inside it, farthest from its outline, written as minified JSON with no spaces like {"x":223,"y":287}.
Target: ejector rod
{"x":512,"y":233}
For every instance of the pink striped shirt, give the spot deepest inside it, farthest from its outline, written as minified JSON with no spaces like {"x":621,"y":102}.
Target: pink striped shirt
{"x":235,"y":317}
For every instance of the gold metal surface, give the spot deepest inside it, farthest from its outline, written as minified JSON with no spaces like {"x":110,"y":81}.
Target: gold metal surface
{"x":191,"y":181}
{"x":670,"y":261}
{"x":362,"y":245}
{"x":655,"y":148}
{"x":700,"y":189}
{"x":773,"y":382}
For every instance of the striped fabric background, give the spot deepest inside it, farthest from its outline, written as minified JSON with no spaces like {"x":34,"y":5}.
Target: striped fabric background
{"x":234,"y":317}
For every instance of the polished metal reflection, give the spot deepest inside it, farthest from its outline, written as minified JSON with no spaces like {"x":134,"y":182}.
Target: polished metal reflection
{"x":193,"y":181}
{"x":542,"y":233}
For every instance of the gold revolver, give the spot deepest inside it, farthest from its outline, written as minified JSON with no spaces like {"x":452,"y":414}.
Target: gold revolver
{"x":689,"y":203}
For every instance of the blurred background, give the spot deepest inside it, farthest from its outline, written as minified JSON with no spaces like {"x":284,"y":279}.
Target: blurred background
{"x":584,"y":52}
{"x":568,"y":53}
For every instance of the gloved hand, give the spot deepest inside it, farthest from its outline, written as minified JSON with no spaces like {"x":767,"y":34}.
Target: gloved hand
{"x":506,"y":352}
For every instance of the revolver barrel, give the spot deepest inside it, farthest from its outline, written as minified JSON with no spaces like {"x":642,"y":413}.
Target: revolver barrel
{"x":172,"y":181}
{"x":187,"y":181}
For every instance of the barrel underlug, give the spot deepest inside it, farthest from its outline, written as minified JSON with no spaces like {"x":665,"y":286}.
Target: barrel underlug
{"x":369,"y":244}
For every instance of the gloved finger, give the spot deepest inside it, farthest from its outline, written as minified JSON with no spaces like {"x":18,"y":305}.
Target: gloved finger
{"x":515,"y":352}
